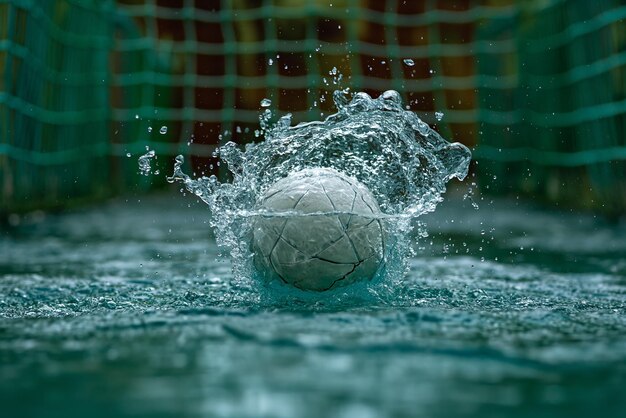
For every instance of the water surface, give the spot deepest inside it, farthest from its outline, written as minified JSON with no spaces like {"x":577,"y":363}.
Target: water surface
{"x":123,"y":310}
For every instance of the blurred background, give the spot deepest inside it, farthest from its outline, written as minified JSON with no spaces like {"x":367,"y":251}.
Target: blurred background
{"x":536,"y":88}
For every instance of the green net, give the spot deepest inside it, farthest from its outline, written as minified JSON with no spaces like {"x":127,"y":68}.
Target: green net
{"x":537,"y":87}
{"x":557,"y":130}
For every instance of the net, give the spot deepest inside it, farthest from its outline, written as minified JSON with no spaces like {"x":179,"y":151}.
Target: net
{"x":557,"y":131}
{"x":537,"y":87}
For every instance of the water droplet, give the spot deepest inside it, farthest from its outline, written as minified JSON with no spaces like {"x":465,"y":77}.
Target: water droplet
{"x":136,"y":116}
{"x":144,"y":162}
{"x":149,"y":128}
{"x":128,"y":154}
{"x":163,"y":130}
{"x":284,"y":122}
{"x":438,"y":115}
{"x":266,"y":102}
{"x":409,"y":62}
{"x":270,"y":61}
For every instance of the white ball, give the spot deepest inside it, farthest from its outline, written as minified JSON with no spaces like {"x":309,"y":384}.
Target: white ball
{"x":335,"y":239}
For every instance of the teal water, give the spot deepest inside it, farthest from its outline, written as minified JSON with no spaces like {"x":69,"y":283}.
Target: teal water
{"x":123,"y":310}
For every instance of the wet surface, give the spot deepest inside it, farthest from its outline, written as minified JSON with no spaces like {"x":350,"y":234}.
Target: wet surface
{"x":124,"y":310}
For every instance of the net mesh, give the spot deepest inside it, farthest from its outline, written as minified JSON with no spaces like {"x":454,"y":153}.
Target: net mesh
{"x":537,"y":88}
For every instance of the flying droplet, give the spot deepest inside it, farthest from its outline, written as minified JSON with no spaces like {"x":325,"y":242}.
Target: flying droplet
{"x":409,"y":62}
{"x":163,"y":130}
{"x":270,"y":61}
{"x":144,"y":162}
{"x":128,"y":154}
{"x":149,"y":128}
{"x":266,"y":102}
{"x":438,"y":115}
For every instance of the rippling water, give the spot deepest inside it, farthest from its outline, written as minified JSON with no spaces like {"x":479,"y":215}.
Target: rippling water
{"x":124,"y":311}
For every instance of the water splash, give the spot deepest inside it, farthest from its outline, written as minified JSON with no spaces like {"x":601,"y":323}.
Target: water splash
{"x":403,"y":162}
{"x":145,"y":162}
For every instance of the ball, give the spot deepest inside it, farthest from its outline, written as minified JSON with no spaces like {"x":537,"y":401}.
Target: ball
{"x":319,"y":230}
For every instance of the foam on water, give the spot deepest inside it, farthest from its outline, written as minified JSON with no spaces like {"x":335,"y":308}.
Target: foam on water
{"x":403,"y":162}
